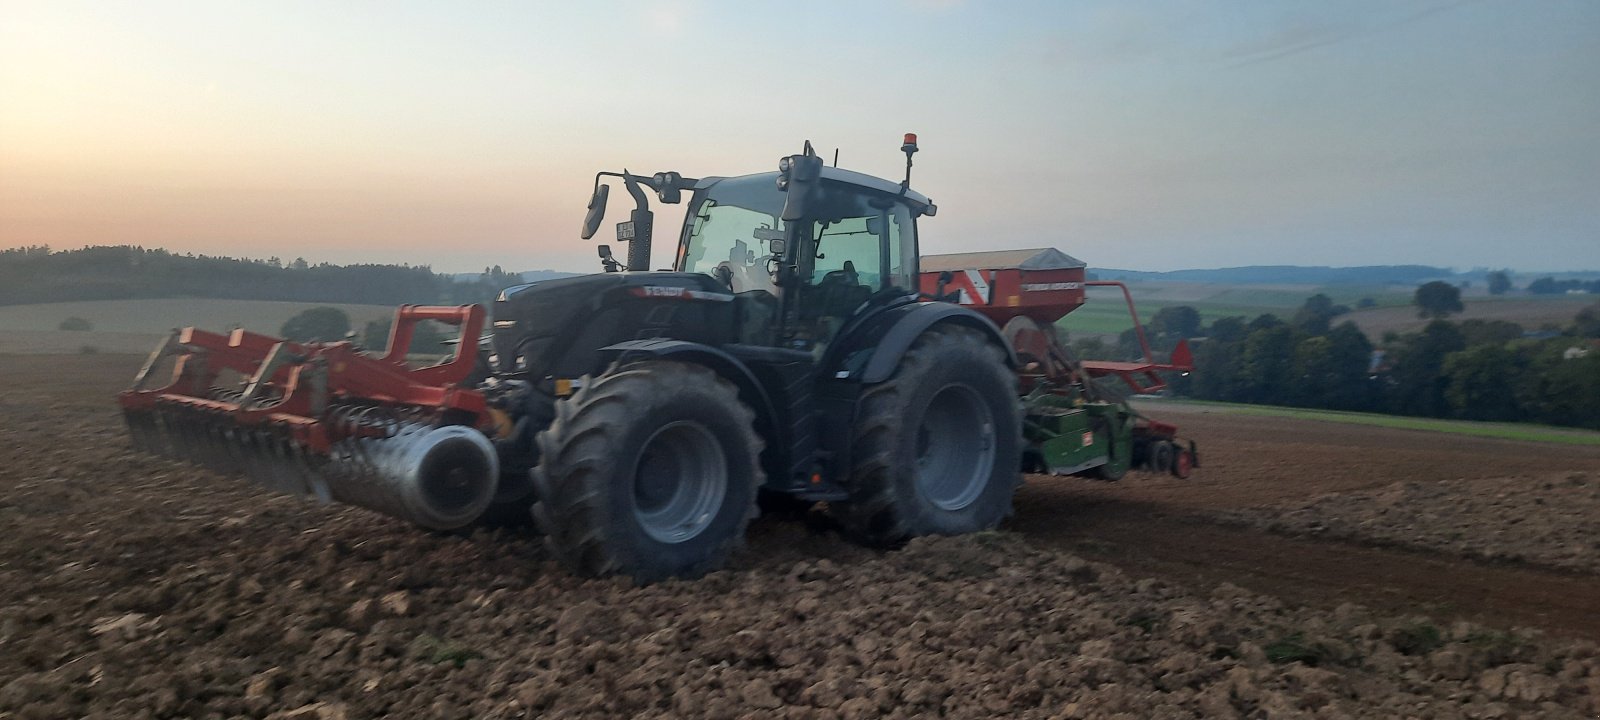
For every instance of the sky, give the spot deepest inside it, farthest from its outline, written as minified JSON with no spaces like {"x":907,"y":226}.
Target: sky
{"x":1140,"y":135}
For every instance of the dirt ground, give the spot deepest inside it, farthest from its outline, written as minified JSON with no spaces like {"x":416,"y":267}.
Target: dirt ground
{"x":134,"y":587}
{"x":1268,"y":467}
{"x":1553,"y":520}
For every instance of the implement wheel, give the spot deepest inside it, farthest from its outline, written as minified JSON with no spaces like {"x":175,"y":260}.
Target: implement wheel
{"x":650,"y":471}
{"x":1182,"y":463}
{"x":1161,"y":456}
{"x":937,"y":447}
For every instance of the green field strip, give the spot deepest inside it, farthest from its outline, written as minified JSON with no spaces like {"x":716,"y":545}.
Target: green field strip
{"x":1503,"y":431}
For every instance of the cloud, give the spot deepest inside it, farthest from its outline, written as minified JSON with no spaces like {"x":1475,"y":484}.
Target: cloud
{"x":670,"y":17}
{"x":1306,"y":35}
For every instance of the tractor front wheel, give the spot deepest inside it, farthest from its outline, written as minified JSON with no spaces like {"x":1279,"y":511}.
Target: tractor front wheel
{"x":650,"y":471}
{"x":937,"y":447}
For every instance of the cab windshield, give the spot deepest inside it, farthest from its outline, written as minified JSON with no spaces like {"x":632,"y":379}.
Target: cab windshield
{"x":733,"y":226}
{"x":857,"y":237}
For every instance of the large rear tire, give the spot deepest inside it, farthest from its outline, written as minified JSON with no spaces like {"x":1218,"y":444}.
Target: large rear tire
{"x":649,"y":471}
{"x":937,"y":448}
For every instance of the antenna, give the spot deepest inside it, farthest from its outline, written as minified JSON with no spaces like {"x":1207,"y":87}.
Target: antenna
{"x":836,"y":157}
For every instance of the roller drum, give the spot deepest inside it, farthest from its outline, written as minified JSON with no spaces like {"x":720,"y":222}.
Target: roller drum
{"x":438,"y":477}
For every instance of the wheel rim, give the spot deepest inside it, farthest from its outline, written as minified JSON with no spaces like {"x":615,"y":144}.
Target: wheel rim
{"x":955,"y":448}
{"x":679,"y":482}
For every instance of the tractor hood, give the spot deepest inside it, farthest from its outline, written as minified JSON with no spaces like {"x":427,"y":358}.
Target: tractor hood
{"x":536,"y":321}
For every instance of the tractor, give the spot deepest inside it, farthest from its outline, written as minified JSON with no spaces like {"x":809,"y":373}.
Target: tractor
{"x":792,"y":355}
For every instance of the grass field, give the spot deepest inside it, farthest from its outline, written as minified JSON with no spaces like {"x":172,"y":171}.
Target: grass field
{"x":1106,"y":314}
{"x":1504,"y":431}
{"x":121,"y":326}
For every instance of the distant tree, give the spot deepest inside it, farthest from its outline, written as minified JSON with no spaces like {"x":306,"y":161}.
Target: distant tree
{"x":318,"y":324}
{"x":1546,"y":286}
{"x":299,"y":264}
{"x":1176,"y":321}
{"x":1350,"y":356}
{"x":1562,"y":391}
{"x":1228,"y":329}
{"x":1478,"y":382}
{"x":1489,"y":332}
{"x":1264,"y":321}
{"x":1587,"y":323}
{"x":1091,"y":348}
{"x":1216,"y":369}
{"x":1266,"y":364}
{"x":1316,"y":315}
{"x":1366,"y":302}
{"x":1437,"y":299}
{"x":1315,"y":377}
{"x":1418,"y":373}
{"x":77,"y":324}
{"x":1499,"y":282}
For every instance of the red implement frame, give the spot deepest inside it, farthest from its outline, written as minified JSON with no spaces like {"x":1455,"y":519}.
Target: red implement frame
{"x":291,"y":385}
{"x":1142,"y":377}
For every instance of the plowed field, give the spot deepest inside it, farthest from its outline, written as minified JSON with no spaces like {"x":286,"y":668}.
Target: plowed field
{"x":134,"y":587}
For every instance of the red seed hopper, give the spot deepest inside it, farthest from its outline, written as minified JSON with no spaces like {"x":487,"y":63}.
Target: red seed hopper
{"x":1026,"y":292}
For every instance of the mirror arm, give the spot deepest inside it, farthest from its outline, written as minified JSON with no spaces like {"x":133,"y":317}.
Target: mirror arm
{"x":632,"y":183}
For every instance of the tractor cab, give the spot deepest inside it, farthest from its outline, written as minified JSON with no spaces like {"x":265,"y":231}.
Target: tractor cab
{"x":800,"y":250}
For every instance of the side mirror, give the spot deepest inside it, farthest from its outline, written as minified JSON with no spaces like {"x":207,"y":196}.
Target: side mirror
{"x":597,"y":212}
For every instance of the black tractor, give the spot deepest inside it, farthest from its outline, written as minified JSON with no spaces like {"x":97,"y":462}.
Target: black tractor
{"x":644,"y":417}
{"x":786,"y":359}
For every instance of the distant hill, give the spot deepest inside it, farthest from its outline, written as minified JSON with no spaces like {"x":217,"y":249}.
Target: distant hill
{"x":33,"y":275}
{"x":1292,"y":275}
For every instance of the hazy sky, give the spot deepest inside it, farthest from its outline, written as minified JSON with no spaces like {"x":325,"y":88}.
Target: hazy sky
{"x":1149,"y":135}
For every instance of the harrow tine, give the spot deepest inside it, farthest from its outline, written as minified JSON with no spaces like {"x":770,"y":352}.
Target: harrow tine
{"x":177,"y":433}
{"x":271,"y":475}
{"x":138,"y":430}
{"x":316,"y":485}
{"x":208,"y":432}
{"x":173,"y":432}
{"x":253,"y":457}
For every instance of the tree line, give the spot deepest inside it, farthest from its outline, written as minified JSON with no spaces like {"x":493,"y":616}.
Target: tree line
{"x":1471,"y":370}
{"x":35,"y":274}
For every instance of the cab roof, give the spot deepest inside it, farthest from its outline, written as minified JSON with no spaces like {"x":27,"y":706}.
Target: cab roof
{"x":835,"y":174}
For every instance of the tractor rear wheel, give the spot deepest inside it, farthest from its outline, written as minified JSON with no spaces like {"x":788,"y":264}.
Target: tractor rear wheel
{"x":937,"y":448}
{"x":649,"y":471}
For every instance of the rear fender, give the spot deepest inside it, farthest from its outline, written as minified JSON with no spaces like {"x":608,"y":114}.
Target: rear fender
{"x":730,"y":368}
{"x":873,"y":350}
